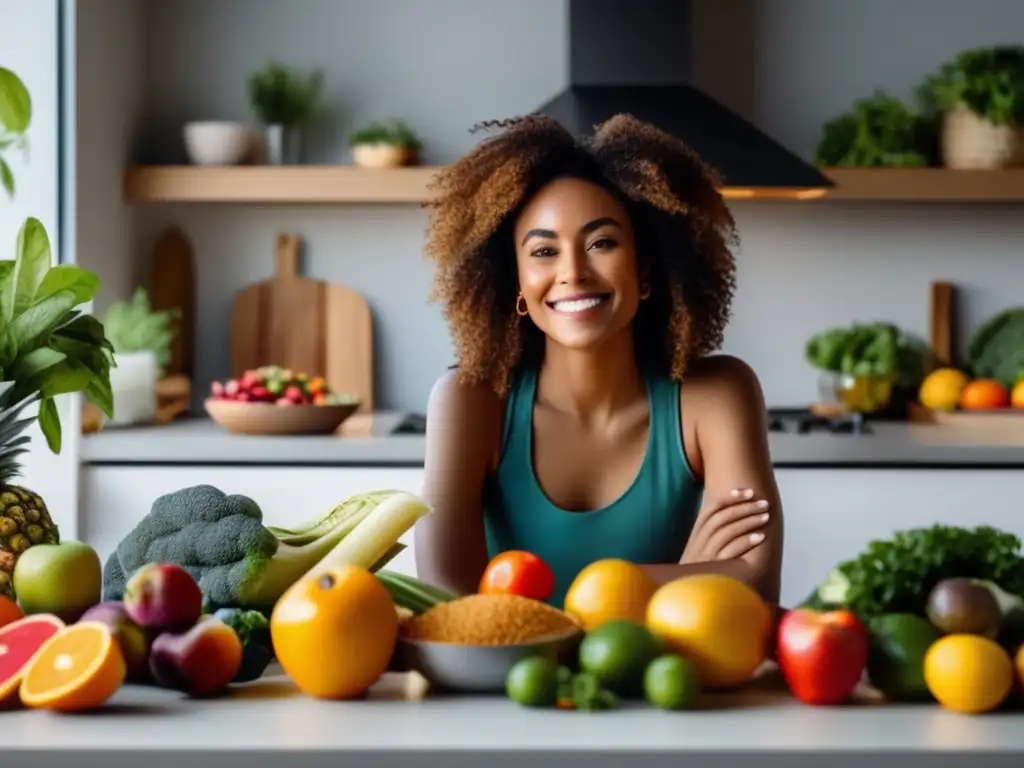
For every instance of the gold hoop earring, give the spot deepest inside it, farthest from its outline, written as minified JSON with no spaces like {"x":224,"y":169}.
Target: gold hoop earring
{"x":525,"y":310}
{"x":645,"y":291}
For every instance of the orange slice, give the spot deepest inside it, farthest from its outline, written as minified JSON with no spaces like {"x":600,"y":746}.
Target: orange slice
{"x":19,"y":642}
{"x":78,"y":668}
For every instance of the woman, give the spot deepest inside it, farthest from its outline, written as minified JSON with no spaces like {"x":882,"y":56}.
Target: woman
{"x":585,"y":285}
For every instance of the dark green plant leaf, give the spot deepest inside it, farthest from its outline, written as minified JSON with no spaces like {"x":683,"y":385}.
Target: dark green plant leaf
{"x":31,"y":263}
{"x":67,"y":277}
{"x":86,"y":329}
{"x":100,"y":394}
{"x":32,"y":327}
{"x":63,"y":379}
{"x":6,"y":276}
{"x":6,"y":177}
{"x":15,"y":102}
{"x":35,"y":362}
{"x":49,"y":423}
{"x":8,"y":348}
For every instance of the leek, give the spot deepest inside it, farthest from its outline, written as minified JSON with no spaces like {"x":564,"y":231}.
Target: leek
{"x":376,"y":535}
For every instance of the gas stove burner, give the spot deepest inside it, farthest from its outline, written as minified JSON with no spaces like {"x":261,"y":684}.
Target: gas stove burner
{"x":802,"y":421}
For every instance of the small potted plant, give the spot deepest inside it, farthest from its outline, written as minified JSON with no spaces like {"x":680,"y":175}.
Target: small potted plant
{"x":142,"y":340}
{"x":385,"y":144}
{"x":284,"y":100}
{"x":979,"y":97}
{"x":879,"y":131}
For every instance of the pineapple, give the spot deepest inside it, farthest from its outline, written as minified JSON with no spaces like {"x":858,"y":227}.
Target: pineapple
{"x":24,"y":518}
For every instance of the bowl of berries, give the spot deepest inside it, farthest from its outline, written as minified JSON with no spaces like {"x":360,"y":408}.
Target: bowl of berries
{"x":272,"y":400}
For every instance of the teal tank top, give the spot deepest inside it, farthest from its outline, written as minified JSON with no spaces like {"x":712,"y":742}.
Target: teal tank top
{"x":649,"y":523}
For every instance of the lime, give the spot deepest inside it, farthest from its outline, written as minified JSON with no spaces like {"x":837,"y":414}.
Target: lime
{"x":617,"y":653}
{"x":670,"y":682}
{"x":898,"y":644}
{"x":533,"y":682}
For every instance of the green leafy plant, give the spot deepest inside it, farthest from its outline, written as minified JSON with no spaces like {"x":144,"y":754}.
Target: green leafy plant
{"x":395,"y":133}
{"x":870,"y":349}
{"x":281,"y":95}
{"x":48,"y":347}
{"x":879,"y":131}
{"x":989,"y":81}
{"x":133,"y":326}
{"x":15,"y":116}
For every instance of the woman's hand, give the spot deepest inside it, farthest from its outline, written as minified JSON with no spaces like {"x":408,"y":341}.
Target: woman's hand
{"x":727,"y":528}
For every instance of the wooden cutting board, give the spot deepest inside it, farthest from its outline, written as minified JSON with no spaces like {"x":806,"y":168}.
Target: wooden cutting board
{"x":172,"y":286}
{"x":309,"y":325}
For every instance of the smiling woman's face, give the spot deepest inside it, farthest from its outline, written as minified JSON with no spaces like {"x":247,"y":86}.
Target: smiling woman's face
{"x":577,"y":263}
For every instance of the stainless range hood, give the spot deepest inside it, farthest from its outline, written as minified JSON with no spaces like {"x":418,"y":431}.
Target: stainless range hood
{"x":633,"y":56}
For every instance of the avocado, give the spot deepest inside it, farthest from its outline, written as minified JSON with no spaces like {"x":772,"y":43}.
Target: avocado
{"x":897,"y":644}
{"x":964,"y":606}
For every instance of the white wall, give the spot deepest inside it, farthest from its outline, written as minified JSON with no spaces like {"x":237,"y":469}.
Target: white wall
{"x":29,"y":46}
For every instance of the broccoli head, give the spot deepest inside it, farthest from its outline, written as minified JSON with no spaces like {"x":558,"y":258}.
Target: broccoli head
{"x":221,"y":541}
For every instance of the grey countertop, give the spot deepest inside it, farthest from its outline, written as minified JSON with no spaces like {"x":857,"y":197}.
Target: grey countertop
{"x":269,"y":717}
{"x":200,"y":441}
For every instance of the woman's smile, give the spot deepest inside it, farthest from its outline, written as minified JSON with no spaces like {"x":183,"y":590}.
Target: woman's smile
{"x":581,"y":306}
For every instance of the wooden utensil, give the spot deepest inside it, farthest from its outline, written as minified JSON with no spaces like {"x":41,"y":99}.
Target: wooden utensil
{"x":942,"y":313}
{"x":172,"y":286}
{"x":305,"y":324}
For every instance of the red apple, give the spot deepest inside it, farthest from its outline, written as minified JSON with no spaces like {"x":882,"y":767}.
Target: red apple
{"x":822,"y":655}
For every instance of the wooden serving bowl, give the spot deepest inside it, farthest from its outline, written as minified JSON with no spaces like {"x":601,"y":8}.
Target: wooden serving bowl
{"x":270,"y":419}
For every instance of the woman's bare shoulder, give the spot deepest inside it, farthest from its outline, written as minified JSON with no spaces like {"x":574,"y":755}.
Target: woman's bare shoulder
{"x":722,"y":378}
{"x":464,"y":417}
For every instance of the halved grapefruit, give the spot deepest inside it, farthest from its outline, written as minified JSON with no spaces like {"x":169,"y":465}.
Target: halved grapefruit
{"x":19,"y":642}
{"x":78,"y":668}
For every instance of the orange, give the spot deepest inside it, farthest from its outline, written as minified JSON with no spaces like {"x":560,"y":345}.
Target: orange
{"x":1017,"y":395}
{"x":9,"y":611}
{"x":720,"y":624}
{"x":968,"y":673}
{"x":334,"y":633}
{"x":79,"y":668}
{"x":983,"y":395}
{"x":608,"y":590}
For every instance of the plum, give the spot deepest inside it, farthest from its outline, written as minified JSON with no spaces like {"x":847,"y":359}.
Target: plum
{"x":201,"y":661}
{"x":132,"y":638}
{"x":163,"y":597}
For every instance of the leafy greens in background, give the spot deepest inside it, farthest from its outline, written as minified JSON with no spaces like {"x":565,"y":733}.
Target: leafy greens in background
{"x":870,"y":349}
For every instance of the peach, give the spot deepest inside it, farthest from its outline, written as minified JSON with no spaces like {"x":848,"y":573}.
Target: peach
{"x":201,"y":661}
{"x":130,"y":636}
{"x":163,"y":597}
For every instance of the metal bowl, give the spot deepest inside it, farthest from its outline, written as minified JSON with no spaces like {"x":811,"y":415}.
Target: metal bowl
{"x":478,"y":668}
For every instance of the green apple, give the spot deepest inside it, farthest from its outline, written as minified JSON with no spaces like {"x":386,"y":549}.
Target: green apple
{"x":64,"y":579}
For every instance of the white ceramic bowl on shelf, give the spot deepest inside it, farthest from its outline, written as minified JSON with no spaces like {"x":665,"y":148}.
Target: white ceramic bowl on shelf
{"x":214,"y":142}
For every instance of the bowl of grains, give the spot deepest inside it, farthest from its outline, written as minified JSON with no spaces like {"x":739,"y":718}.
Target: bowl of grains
{"x":470,"y":644}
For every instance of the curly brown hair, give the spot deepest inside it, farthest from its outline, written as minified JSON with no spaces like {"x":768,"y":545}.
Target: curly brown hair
{"x":684,"y":233}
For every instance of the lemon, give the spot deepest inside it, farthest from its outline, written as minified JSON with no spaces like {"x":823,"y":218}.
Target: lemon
{"x":968,"y":673}
{"x":941,"y":389}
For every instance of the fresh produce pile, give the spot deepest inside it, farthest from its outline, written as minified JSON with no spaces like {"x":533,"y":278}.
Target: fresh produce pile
{"x":198,"y":597}
{"x":951,"y":389}
{"x":201,"y":596}
{"x":279,"y":386}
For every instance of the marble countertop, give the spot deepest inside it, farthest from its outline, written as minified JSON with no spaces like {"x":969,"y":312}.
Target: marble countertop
{"x":199,"y":441}
{"x":396,"y":727}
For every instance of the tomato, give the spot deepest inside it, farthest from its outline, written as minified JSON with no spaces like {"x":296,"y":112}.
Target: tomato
{"x":518,"y":573}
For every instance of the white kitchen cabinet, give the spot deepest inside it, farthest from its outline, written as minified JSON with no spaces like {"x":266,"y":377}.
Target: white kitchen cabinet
{"x":832,"y":514}
{"x":114,"y":499}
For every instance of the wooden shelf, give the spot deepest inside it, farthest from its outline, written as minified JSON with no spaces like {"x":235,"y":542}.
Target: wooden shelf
{"x":936,"y":185}
{"x":276,"y":184}
{"x":350,"y":184}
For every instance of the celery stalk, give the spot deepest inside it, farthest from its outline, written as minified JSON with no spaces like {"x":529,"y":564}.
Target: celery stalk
{"x":376,"y":535}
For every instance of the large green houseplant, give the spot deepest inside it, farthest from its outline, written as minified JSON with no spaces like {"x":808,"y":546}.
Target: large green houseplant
{"x":48,"y":347}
